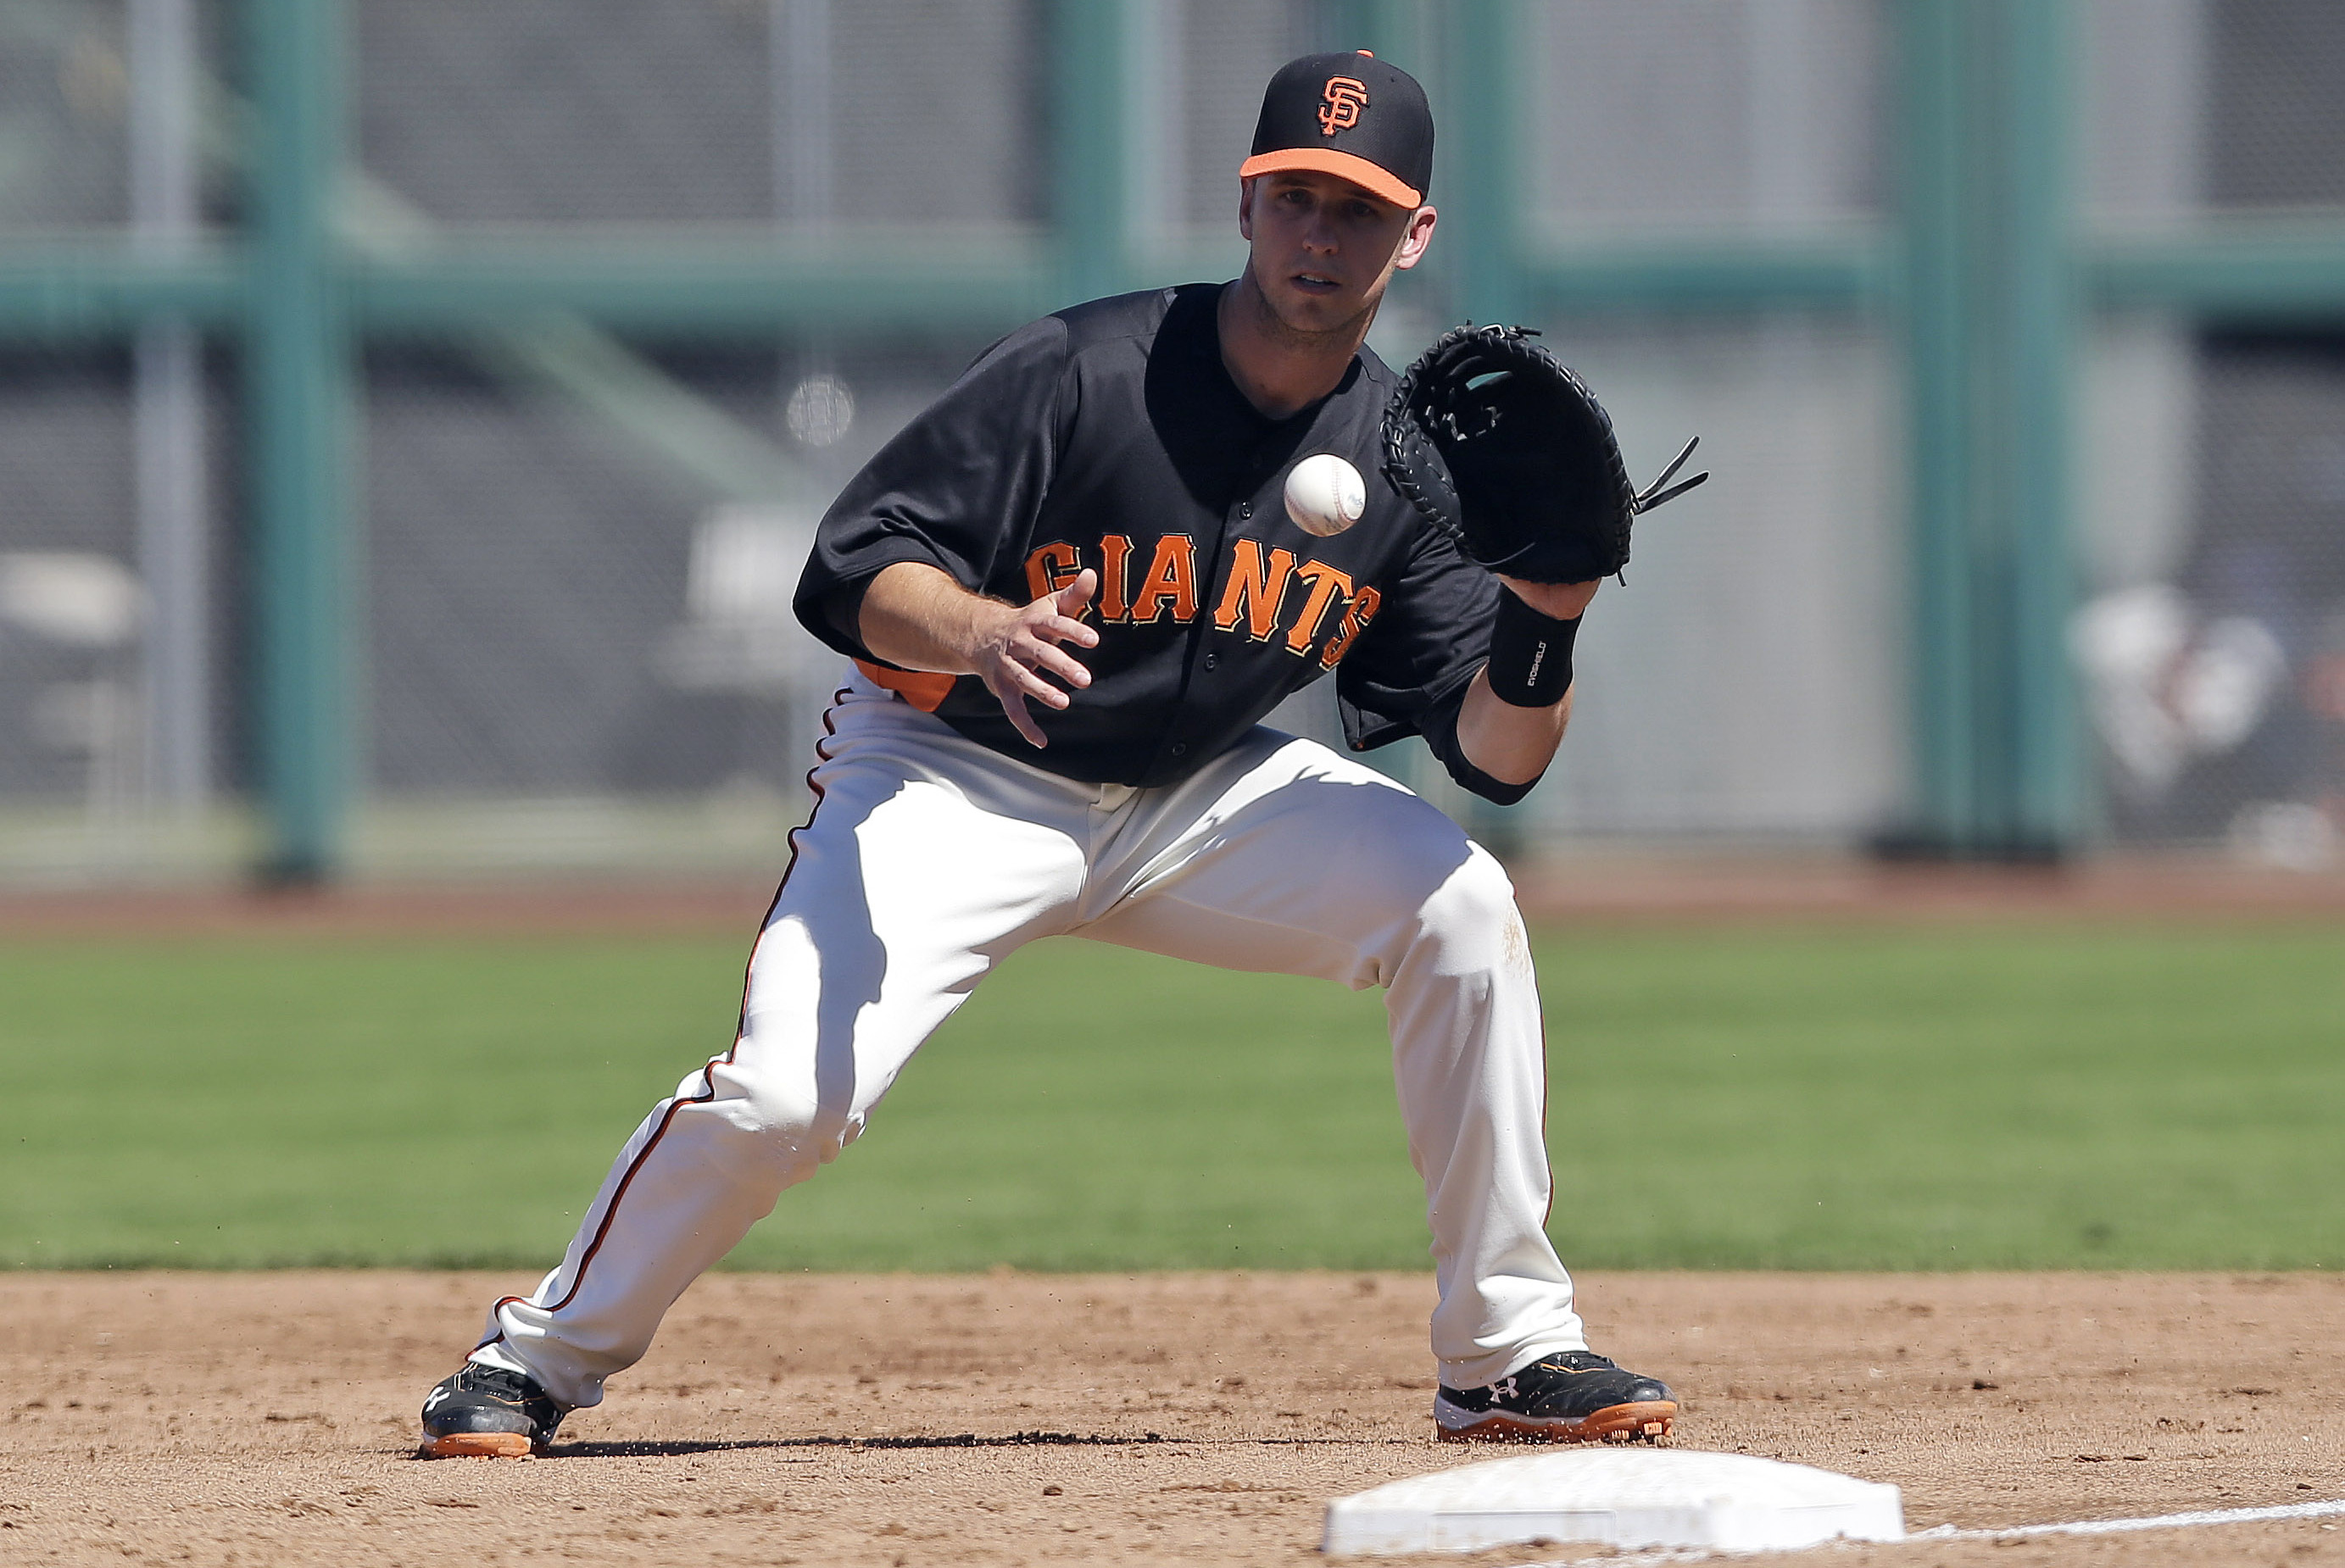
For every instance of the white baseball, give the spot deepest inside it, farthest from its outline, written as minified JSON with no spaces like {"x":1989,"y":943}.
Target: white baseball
{"x":1324,"y":495}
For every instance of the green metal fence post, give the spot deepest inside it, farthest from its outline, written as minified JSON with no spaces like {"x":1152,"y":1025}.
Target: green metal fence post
{"x":298,"y":380}
{"x":1932,"y":40}
{"x":1482,"y":167}
{"x":1990,"y":309}
{"x":2040,"y":288}
{"x":1390,"y":29}
{"x":1478,"y":169}
{"x":1094,"y":218}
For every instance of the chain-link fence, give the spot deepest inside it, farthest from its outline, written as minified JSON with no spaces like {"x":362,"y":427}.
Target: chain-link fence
{"x":2215,"y":457}
{"x":576,"y":543}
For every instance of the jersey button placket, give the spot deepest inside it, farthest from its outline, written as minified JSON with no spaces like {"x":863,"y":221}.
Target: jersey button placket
{"x":1211,"y":661}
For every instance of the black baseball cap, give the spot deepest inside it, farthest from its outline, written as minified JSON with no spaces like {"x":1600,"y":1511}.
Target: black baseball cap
{"x":1348,"y":114}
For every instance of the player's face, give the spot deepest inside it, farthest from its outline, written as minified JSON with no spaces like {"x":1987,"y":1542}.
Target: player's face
{"x":1323,"y":248}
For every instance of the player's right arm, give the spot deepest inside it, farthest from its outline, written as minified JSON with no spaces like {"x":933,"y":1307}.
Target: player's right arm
{"x":903,"y":558}
{"x":916,"y":617}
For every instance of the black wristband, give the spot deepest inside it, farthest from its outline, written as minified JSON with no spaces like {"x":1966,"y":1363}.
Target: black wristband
{"x":1530,"y":654}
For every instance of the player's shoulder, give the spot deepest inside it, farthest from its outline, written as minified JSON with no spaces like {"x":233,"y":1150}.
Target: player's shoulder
{"x":1039,"y":345}
{"x":1138,"y":316}
{"x":1051,"y":343}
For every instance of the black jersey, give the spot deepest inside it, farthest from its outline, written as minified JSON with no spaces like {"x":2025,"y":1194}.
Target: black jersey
{"x":1111,"y":435}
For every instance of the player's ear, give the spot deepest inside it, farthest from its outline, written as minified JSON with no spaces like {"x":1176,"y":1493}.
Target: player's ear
{"x":1245,"y":207}
{"x":1416,"y":237}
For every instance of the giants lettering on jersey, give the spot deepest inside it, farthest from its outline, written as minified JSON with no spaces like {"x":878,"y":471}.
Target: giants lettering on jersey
{"x":1267,"y":594}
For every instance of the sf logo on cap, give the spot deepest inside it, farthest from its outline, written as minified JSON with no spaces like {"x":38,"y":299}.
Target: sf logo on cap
{"x":1342,"y":102}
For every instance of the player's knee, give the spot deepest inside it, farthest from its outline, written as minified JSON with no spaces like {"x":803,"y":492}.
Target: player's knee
{"x":1470,"y":921}
{"x":782,"y":1128}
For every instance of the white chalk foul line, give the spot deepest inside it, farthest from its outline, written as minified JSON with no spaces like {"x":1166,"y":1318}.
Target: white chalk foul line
{"x":2010,"y":1533}
{"x":2124,"y":1526}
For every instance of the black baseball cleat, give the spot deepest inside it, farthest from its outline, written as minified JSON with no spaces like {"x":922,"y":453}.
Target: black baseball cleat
{"x":488,"y":1412}
{"x":1571,"y":1396}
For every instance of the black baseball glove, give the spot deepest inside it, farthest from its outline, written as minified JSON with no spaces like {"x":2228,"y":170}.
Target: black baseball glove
{"x":1508,"y":453}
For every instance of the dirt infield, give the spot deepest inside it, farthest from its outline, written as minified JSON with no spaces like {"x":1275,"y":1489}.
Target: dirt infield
{"x":1191,"y":1418}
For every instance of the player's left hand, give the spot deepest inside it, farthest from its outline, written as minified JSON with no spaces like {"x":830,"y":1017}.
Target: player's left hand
{"x":1556,"y":601}
{"x":1509,"y":454}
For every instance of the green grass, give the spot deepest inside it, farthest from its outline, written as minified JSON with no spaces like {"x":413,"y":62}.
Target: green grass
{"x":2034,"y":1096}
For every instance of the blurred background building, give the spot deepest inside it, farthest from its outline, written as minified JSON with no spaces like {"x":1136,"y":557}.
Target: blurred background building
{"x":412,"y":413}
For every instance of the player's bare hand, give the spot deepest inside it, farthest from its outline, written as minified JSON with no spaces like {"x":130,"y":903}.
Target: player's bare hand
{"x":1014,"y":654}
{"x":1556,"y":601}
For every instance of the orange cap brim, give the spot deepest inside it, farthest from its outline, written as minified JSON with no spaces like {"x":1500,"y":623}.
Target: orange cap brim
{"x":1374,"y":178}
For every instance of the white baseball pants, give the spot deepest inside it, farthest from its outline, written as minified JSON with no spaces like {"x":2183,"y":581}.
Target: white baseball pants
{"x":929,"y":859}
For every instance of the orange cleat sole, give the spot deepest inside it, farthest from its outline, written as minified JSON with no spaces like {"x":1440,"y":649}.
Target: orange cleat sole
{"x":1645,"y":1422}
{"x":479,"y":1446}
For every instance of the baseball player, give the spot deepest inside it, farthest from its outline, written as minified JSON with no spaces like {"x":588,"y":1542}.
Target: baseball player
{"x":1071,"y":590}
